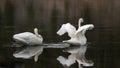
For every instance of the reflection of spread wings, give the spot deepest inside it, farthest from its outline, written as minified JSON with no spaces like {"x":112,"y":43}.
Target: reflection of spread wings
{"x":67,"y":28}
{"x":65,"y":61}
{"x":77,"y":54}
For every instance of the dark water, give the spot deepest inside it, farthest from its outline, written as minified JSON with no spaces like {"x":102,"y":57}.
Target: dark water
{"x":47,"y":15}
{"x":105,"y":54}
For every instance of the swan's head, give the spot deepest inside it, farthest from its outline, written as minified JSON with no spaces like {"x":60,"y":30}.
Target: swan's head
{"x":37,"y":34}
{"x":36,"y":31}
{"x":80,"y":21}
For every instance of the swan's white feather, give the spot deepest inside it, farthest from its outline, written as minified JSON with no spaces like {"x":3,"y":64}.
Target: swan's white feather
{"x":77,"y":37}
{"x":29,"y":52}
{"x":83,"y":29}
{"x":29,"y":38}
{"x":77,"y":54}
{"x":65,"y":61}
{"x":70,"y":29}
{"x":62,"y":30}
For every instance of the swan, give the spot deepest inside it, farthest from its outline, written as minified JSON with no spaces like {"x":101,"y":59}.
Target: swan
{"x":29,"y":38}
{"x":77,"y":37}
{"x":76,"y":54}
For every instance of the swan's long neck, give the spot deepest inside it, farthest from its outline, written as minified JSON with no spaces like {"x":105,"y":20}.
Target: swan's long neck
{"x":79,"y":22}
{"x":36,"y":32}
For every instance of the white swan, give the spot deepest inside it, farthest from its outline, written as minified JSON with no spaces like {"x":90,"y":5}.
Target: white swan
{"x":76,"y":54}
{"x":29,"y":38}
{"x":77,"y":36}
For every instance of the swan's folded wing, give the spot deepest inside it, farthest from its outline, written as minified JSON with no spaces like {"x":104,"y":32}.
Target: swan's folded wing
{"x":23,"y":37}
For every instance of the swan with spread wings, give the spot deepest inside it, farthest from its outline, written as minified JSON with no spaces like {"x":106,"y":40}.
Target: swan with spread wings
{"x":77,"y":37}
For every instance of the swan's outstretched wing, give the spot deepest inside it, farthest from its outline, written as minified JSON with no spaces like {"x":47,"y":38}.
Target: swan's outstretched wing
{"x":62,"y":30}
{"x":83,"y":29}
{"x":70,"y":29}
{"x":67,"y":28}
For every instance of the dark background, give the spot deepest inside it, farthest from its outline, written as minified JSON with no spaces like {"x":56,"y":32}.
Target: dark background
{"x":48,"y":15}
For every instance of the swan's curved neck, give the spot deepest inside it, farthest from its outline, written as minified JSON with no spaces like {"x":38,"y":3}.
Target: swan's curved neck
{"x":36,"y":31}
{"x":80,"y":21}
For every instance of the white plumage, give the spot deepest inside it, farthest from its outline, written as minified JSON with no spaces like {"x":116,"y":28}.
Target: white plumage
{"x":29,"y":52}
{"x":66,"y":62}
{"x":76,"y":54}
{"x":77,"y":36}
{"x":70,"y":29}
{"x":35,"y":51}
{"x":29,"y":38}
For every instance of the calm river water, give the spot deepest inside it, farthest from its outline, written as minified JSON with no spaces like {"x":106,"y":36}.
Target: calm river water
{"x":102,"y":51}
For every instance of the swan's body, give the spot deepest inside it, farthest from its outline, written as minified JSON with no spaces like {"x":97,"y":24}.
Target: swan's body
{"x":29,"y":38}
{"x":77,"y":36}
{"x":77,"y":54}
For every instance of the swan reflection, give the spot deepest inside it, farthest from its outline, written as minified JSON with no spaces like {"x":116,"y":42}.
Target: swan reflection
{"x":35,"y":51}
{"x":77,"y":37}
{"x":76,"y":54}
